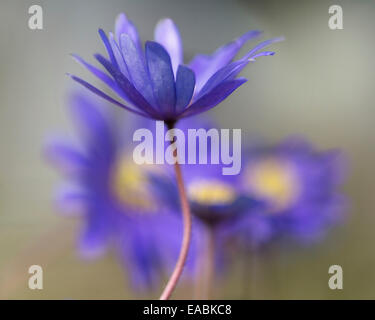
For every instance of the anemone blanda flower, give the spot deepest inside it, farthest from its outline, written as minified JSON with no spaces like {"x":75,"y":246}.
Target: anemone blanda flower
{"x":113,"y":193}
{"x":155,"y":83}
{"x":214,"y":199}
{"x":300,"y":187}
{"x":218,"y":202}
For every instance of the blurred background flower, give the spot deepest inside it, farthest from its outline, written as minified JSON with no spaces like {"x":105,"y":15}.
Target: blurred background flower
{"x":286,"y":191}
{"x":301,"y":187}
{"x":113,"y":194}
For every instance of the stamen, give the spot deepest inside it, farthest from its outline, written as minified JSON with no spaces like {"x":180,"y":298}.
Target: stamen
{"x":210,"y":192}
{"x":275,"y":180}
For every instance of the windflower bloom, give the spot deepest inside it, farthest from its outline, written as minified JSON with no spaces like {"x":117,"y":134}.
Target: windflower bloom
{"x":218,"y":203}
{"x":114,"y":195}
{"x":215,"y":200}
{"x":155,"y":83}
{"x":300,"y":187}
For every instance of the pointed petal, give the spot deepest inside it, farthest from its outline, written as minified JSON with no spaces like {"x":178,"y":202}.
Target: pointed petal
{"x":102,"y":76}
{"x":142,"y":253}
{"x":134,"y":95}
{"x":105,"y":96}
{"x":161,"y":75}
{"x":65,"y":157}
{"x":138,"y":74}
{"x":167,"y":34}
{"x":213,"y":98}
{"x":108,"y":47}
{"x":71,"y":201}
{"x":94,"y":239}
{"x":228,"y":72}
{"x":260,"y":46}
{"x":261,"y":54}
{"x":118,"y":56}
{"x":185,"y":83}
{"x":204,"y":66}
{"x":125,"y":26}
{"x":92,"y":125}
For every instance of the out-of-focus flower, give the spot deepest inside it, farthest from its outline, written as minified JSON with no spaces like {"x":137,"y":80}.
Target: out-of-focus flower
{"x":300,"y":187}
{"x":218,"y":202}
{"x":155,"y":83}
{"x":114,"y":195}
{"x":214,"y":199}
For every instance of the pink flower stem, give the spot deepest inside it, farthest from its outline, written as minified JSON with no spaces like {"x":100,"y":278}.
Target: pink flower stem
{"x":186,"y":215}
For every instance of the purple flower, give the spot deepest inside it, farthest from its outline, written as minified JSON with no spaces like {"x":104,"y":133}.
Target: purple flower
{"x":155,"y":83}
{"x":113,"y":193}
{"x":214,"y":199}
{"x":218,"y":202}
{"x":300,"y":187}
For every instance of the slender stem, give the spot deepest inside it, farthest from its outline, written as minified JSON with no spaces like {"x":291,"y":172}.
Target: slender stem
{"x":176,"y":274}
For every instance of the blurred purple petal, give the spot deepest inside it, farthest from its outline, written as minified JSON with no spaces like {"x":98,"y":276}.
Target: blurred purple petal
{"x":70,"y":201}
{"x":65,"y":157}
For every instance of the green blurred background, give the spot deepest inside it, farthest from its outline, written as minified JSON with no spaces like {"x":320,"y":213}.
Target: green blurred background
{"x":319,"y":84}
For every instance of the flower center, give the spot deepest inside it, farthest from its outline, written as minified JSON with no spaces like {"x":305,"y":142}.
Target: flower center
{"x":276,"y":181}
{"x":130,"y":185}
{"x":211,"y":192}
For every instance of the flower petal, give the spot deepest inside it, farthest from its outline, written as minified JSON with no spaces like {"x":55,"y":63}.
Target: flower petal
{"x":118,"y":56}
{"x":204,"y":66}
{"x":108,"y":47}
{"x":102,"y":76}
{"x":125,"y":26}
{"x":260,"y":46}
{"x":261,"y":54}
{"x":167,"y":34}
{"x":93,"y":126}
{"x":141,"y":253}
{"x":105,"y":96}
{"x":138,"y":74}
{"x":95,"y":236}
{"x":228,"y":72}
{"x":71,"y":201}
{"x":161,"y":75}
{"x":63,"y":156}
{"x":135,"y":97}
{"x":185,"y":83}
{"x":214,"y":97}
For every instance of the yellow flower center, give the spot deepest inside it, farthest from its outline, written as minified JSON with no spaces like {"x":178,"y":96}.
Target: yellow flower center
{"x":130,"y":185}
{"x":275,"y":180}
{"x":211,"y":192}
